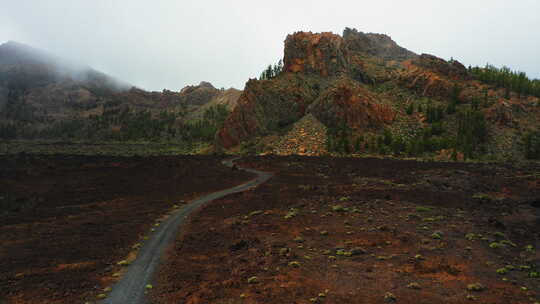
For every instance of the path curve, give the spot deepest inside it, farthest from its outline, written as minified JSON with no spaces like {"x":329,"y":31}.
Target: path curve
{"x":131,"y":288}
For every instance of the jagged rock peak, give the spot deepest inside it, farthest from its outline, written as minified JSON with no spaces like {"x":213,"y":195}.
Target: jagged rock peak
{"x":329,"y":54}
{"x":319,"y":53}
{"x":202,"y":85}
{"x":379,"y":45}
{"x":205,"y":84}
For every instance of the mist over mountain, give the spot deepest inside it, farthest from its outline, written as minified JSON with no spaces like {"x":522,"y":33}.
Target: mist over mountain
{"x":43,"y":96}
{"x":24,"y":66}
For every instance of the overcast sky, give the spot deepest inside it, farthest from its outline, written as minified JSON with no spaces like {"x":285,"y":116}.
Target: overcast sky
{"x":169,"y":44}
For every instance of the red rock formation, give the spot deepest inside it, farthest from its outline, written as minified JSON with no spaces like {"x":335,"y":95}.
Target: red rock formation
{"x":350,"y":103}
{"x":426,"y":81}
{"x":241,"y":123}
{"x":322,"y":53}
{"x":266,"y":106}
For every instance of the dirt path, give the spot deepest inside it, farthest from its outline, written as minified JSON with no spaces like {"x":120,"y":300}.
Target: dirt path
{"x":132,"y":287}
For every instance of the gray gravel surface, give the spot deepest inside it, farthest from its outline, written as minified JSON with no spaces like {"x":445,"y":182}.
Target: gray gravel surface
{"x":131,"y":289}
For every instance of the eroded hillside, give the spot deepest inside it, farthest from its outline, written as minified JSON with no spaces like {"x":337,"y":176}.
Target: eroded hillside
{"x":377,"y":97}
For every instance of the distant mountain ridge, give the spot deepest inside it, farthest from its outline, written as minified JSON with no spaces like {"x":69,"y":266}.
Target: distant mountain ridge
{"x":44,"y":96}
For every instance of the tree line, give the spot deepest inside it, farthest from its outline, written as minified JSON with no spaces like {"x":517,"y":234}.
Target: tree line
{"x":507,"y":79}
{"x":469,"y":139}
{"x":272,"y":71}
{"x":119,"y":124}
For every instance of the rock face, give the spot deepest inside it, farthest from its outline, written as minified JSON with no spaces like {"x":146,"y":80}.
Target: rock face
{"x":349,"y":103}
{"x":379,"y":45}
{"x":432,"y":76}
{"x":265,"y":106}
{"x":324,"y":54}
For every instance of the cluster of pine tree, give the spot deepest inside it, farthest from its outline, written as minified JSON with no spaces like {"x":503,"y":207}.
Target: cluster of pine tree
{"x":504,"y":77}
{"x":471,"y":133}
{"x":531,"y":144}
{"x":206,"y":128}
{"x":272,"y":71}
{"x":469,"y":138}
{"x":338,"y":140}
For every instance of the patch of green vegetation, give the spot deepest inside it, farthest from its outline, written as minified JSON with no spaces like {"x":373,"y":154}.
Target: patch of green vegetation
{"x":470,"y":236}
{"x":502,"y":271}
{"x":339,"y":208}
{"x":482,"y":196}
{"x":295,"y":264}
{"x":531,"y":144}
{"x":423,"y":209}
{"x":298,"y":239}
{"x":471,"y":297}
{"x":504,"y":77}
{"x":292,"y":213}
{"x":390,"y":297}
{"x":253,"y":280}
{"x":499,"y":235}
{"x":508,"y":242}
{"x":123,"y":263}
{"x":343,"y":252}
{"x":534,"y":275}
{"x":257,"y":212}
{"x":475,"y":287}
{"x":495,"y":245}
{"x":436,"y":236}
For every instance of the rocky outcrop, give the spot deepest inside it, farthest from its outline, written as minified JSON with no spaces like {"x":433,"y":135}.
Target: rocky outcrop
{"x":378,"y":45}
{"x":434,"y":77}
{"x":198,"y":95}
{"x":452,"y":69}
{"x":324,"y":54}
{"x":347,"y":102}
{"x":312,"y":61}
{"x":266,"y":106}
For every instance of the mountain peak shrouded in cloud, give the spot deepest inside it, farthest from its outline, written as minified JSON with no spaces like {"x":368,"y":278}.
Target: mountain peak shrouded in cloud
{"x":24,"y":59}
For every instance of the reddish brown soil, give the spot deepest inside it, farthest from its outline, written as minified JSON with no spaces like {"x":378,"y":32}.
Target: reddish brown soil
{"x":76,"y":216}
{"x":326,"y":230}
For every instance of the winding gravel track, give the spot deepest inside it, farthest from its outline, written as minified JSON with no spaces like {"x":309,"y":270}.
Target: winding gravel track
{"x":131,"y":288}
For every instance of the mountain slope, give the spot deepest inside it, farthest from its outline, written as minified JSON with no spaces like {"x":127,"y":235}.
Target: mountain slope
{"x":43,"y":96}
{"x":377,"y":97}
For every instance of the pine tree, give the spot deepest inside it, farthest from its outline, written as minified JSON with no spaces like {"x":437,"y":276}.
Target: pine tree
{"x":410,"y":109}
